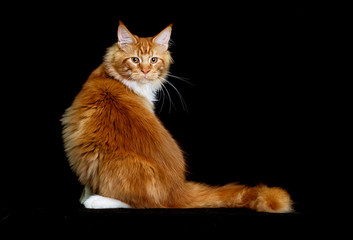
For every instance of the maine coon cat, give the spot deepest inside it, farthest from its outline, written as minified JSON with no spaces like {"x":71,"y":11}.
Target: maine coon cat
{"x":120,"y":150}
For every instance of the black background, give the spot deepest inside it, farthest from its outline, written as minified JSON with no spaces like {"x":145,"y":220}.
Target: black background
{"x":256,"y":110}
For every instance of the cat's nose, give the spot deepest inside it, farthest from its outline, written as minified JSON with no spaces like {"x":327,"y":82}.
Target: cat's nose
{"x":145,"y":71}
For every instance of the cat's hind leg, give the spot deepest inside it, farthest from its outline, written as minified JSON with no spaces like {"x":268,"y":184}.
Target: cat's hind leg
{"x":94,"y":201}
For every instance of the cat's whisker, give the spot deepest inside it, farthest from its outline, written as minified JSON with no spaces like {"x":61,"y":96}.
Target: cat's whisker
{"x":170,"y":99}
{"x":180,"y":78}
{"x":183,"y":103}
{"x":162,"y":95}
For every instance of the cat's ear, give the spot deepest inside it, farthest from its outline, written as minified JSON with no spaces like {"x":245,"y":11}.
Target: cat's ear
{"x":163,"y":37}
{"x":125,"y":36}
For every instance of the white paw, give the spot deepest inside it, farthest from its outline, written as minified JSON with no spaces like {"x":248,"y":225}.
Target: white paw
{"x":98,"y":202}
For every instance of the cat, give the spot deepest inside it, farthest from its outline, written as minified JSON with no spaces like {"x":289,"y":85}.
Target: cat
{"x":121,"y":151}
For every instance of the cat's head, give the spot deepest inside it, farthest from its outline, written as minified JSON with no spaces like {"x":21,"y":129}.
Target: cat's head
{"x":139,"y":60}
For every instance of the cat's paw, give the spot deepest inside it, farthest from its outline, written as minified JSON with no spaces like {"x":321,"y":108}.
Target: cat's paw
{"x":99,"y":202}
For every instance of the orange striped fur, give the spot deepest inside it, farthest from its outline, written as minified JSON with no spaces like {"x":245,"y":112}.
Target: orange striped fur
{"x":119,"y":148}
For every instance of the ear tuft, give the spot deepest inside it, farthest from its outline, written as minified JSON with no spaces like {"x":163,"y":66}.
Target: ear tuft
{"x":163,"y":37}
{"x":124,"y":35}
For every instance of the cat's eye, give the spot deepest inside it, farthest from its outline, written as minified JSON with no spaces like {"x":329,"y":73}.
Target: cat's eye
{"x":154,"y":60}
{"x":135,"y":59}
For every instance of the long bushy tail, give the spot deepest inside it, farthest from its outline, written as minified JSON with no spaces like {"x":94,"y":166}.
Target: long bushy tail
{"x":260,"y":198}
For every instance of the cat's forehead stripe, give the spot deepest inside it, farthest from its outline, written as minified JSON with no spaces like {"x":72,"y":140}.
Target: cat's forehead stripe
{"x":144,"y":47}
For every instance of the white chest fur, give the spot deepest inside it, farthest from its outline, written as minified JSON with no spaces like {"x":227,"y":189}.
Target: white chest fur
{"x":147,"y":90}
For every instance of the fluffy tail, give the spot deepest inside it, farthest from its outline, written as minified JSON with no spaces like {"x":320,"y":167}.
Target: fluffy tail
{"x":260,"y":198}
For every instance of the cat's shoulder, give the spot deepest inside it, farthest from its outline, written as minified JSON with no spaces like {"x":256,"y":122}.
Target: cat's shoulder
{"x":99,"y":83}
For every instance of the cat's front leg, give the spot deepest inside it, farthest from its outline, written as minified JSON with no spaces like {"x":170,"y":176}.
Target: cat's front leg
{"x":95,"y":201}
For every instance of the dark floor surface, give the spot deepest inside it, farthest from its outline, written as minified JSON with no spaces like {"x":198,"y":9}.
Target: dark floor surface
{"x":154,"y":222}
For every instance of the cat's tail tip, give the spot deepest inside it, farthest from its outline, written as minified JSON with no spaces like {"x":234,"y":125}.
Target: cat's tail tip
{"x":273,"y":200}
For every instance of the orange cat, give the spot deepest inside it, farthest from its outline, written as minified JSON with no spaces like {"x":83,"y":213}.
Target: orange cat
{"x":121,"y":151}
